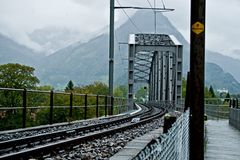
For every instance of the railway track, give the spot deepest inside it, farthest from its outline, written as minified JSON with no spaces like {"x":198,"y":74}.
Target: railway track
{"x":22,"y":133}
{"x":47,"y":143}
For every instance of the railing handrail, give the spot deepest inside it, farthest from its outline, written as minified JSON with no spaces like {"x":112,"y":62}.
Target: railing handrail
{"x":87,"y":102}
{"x":58,"y":92}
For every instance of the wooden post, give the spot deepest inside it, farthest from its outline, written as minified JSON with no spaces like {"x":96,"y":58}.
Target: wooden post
{"x":197,"y":63}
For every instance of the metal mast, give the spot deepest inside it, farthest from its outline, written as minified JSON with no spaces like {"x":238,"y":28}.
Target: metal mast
{"x":111,"y":48}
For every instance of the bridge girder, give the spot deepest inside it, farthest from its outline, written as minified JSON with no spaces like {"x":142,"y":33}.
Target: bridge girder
{"x":155,"y":59}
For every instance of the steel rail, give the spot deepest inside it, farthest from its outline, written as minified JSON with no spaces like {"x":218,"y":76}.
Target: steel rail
{"x":37,"y":128}
{"x":71,"y":142}
{"x":30,"y":140}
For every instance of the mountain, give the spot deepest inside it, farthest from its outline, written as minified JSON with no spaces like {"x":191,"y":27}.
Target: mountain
{"x":218,"y":79}
{"x":227,"y":63}
{"x":86,"y":62}
{"x":12,"y":52}
{"x":52,"y":39}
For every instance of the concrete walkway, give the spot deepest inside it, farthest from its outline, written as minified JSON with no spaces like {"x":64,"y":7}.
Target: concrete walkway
{"x":223,"y":141}
{"x":136,"y":145}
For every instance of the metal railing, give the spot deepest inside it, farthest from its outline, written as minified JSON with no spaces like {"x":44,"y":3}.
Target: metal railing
{"x":20,"y":108}
{"x":169,"y":146}
{"x":234,"y":117}
{"x":217,"y":108}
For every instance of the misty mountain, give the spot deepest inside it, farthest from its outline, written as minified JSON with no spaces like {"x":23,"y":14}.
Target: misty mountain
{"x":12,"y":52}
{"x":216,"y":77}
{"x":228,"y":64}
{"x":86,"y":62}
{"x":52,"y":39}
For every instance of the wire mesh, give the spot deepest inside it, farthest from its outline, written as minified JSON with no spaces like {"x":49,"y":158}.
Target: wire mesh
{"x":173,"y":145}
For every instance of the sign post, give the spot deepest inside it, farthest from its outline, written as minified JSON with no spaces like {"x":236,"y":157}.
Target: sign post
{"x":197,"y":63}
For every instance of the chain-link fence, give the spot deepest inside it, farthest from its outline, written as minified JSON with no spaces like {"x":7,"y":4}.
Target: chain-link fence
{"x":173,"y":145}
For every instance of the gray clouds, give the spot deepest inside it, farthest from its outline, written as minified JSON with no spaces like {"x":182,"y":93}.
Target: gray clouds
{"x":223,"y":25}
{"x":19,"y":18}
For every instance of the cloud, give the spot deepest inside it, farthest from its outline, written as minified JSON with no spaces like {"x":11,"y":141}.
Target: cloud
{"x":24,"y":16}
{"x":223,"y":25}
{"x":19,"y":18}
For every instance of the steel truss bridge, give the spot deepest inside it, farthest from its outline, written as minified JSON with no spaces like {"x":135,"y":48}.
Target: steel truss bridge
{"x":155,"y":59}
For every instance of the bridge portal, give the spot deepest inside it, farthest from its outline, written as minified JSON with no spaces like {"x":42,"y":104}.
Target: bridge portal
{"x":155,"y":59}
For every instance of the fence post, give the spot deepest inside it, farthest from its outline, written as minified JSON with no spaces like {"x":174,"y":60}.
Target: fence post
{"x":85,"y":108}
{"x":71,"y":104}
{"x":97,"y":106}
{"x":218,"y":114}
{"x":106,"y":104}
{"x":168,"y":122}
{"x":112,"y":105}
{"x":24,"y":112}
{"x":121,"y":108}
{"x":51,"y":108}
{"x":188,"y":93}
{"x":233,"y":103}
{"x":236,"y":103}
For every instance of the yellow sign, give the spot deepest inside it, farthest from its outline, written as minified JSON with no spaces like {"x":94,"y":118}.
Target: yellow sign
{"x":197,"y":27}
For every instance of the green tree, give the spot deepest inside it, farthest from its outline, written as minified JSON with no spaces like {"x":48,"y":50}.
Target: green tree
{"x":120,"y":91}
{"x":228,"y":96}
{"x":95,"y":88}
{"x":17,"y":76}
{"x":14,"y":76}
{"x":141,"y":95}
{"x":184,"y":86}
{"x":212,"y":92}
{"x":70,"y":86}
{"x":207,"y":94}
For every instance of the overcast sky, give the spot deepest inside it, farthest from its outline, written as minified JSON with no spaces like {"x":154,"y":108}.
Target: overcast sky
{"x":20,"y":17}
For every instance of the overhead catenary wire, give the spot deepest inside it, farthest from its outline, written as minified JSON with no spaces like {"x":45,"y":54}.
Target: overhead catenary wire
{"x":163,"y":4}
{"x":139,"y":30}
{"x":155,"y":16}
{"x":150,"y":4}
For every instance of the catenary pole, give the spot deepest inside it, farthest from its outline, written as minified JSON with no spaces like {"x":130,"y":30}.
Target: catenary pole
{"x":111,"y":48}
{"x":197,"y":63}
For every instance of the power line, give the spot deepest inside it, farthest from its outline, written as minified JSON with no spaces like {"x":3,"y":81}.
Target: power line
{"x":150,"y":4}
{"x":155,"y":16}
{"x":129,"y":18}
{"x":163,"y":4}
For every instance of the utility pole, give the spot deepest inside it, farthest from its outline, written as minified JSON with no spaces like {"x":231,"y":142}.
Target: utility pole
{"x":197,"y":63}
{"x":111,"y":48}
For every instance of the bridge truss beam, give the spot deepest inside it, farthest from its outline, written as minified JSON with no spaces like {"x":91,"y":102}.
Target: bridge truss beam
{"x":157,"y":60}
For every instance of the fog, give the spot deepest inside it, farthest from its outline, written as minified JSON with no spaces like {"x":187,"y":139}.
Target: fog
{"x":86,"y":17}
